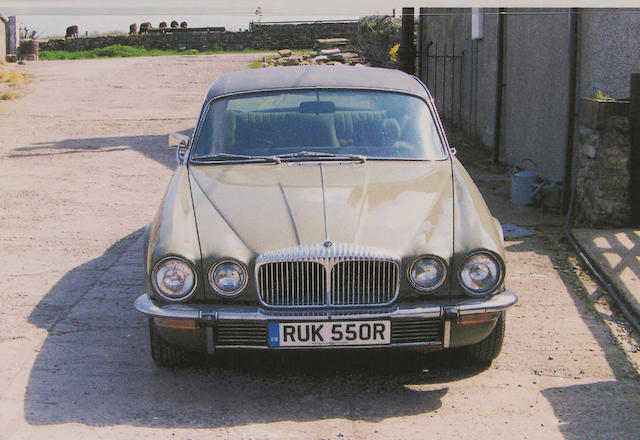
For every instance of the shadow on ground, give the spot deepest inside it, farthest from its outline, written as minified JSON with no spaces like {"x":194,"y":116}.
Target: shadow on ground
{"x":152,"y":146}
{"x":617,"y":253}
{"x":618,"y":417}
{"x":95,"y":367}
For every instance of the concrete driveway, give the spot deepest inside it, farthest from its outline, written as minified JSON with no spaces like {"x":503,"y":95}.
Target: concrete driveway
{"x":83,"y":167}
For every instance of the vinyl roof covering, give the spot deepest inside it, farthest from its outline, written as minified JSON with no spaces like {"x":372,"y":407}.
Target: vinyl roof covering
{"x":336,"y":77}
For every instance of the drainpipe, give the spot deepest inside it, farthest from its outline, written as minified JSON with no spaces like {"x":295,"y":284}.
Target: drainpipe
{"x":497,"y":129}
{"x":420,"y":44}
{"x":407,"y":51}
{"x":573,"y":75}
{"x":4,"y":18}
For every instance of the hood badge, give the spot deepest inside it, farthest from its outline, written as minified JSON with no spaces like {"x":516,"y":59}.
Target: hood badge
{"x":328,"y":243}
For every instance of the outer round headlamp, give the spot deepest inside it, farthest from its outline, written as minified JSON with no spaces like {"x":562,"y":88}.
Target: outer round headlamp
{"x":481,"y":273}
{"x":173,"y":279}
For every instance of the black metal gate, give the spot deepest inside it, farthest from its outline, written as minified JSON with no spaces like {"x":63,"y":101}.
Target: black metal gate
{"x":441,"y":69}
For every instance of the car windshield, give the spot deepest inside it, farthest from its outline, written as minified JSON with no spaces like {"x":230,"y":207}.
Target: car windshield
{"x":319,"y":124}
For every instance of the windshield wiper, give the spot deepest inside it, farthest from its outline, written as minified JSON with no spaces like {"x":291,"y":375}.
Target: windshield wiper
{"x":322,"y":155}
{"x":221,"y":157}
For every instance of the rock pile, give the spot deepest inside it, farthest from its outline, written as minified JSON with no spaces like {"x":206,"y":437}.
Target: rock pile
{"x":330,"y":51}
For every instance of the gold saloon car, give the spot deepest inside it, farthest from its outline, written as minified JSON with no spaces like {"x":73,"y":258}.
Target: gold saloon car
{"x":322,"y":207}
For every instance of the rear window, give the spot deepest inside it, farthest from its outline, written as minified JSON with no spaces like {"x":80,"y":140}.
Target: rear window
{"x":372,"y":124}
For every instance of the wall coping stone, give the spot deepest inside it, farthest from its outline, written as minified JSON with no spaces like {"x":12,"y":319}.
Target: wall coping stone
{"x":594,"y":113}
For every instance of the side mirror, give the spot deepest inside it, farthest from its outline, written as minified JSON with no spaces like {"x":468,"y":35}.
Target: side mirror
{"x":180,"y":142}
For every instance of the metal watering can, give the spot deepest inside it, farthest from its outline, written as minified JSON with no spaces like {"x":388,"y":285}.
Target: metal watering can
{"x":524,"y":184}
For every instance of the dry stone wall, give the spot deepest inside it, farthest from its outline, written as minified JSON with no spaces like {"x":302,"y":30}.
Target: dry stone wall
{"x":266,"y":36}
{"x":603,"y":179}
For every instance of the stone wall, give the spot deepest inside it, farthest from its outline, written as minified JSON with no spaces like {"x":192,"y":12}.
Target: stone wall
{"x":602,"y":179}
{"x":299,"y":36}
{"x":266,"y":36}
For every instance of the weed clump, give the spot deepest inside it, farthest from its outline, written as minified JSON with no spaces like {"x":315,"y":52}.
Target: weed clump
{"x":6,"y":96}
{"x":13,"y":77}
{"x":600,"y":96}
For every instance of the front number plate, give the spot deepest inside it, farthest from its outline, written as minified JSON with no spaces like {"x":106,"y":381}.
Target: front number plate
{"x":308,"y":334}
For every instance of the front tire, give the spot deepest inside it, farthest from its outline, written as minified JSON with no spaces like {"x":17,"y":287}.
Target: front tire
{"x":163,"y":353}
{"x":489,"y":348}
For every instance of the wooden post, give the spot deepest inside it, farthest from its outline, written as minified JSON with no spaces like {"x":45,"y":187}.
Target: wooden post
{"x":407,"y":51}
{"x":634,"y":162}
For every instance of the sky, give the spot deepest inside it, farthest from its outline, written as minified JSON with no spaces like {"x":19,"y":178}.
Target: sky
{"x":226,"y":7}
{"x":275,"y":7}
{"x":50,"y":17}
{"x":94,"y":17}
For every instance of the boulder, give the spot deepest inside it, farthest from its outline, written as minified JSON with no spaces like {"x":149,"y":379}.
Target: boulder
{"x":331,"y":42}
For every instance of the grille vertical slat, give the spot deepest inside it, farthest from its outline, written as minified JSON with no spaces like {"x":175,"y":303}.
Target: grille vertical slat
{"x":358,"y":279}
{"x":319,"y":283}
{"x":270,"y":269}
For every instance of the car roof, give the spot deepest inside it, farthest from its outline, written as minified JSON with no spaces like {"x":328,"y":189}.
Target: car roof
{"x":304,"y":77}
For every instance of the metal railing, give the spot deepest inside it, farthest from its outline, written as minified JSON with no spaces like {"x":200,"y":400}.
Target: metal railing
{"x":442,"y":65}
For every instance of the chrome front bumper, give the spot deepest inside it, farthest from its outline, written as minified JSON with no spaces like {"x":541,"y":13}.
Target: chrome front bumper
{"x":447,"y":312}
{"x":207,"y":313}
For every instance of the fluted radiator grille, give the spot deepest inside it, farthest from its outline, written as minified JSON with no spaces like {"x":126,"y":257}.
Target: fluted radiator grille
{"x":292,"y":283}
{"x":363,"y":282}
{"x":328,"y":282}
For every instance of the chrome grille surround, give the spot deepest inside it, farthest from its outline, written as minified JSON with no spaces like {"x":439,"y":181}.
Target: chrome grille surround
{"x":340,"y":275}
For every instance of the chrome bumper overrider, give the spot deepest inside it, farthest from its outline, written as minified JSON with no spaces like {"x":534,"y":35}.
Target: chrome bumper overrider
{"x":209,"y":313}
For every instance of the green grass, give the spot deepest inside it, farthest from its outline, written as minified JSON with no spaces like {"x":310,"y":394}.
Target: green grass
{"x":120,"y":51}
{"x":257,"y":64}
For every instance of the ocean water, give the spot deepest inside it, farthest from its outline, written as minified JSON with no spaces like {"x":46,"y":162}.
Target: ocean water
{"x":48,"y":26}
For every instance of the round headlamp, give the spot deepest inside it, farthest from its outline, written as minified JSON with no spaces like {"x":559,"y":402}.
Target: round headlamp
{"x":427,"y":273}
{"x":228,"y":277}
{"x":480,"y":273}
{"x":173,"y":279}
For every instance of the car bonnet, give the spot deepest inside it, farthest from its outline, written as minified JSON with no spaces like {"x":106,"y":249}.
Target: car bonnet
{"x":247,"y":209}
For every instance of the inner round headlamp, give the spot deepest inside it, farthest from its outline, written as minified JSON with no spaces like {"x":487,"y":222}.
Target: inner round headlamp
{"x":228,"y":277}
{"x":427,"y":273}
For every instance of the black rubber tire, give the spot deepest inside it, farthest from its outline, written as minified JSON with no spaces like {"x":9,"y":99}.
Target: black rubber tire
{"x":489,"y":348}
{"x":165,"y":354}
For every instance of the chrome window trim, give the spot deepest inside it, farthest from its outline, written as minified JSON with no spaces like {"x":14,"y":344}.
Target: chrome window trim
{"x":428,"y":100}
